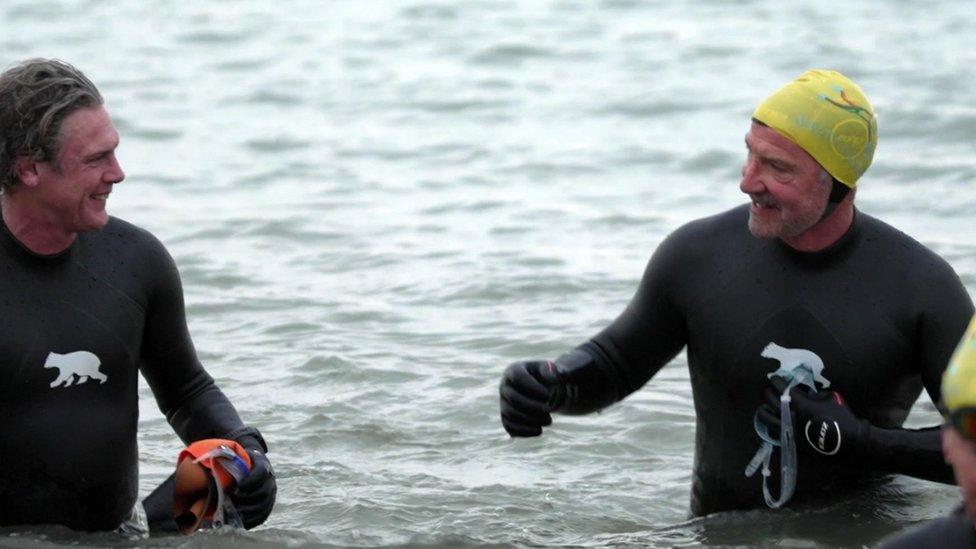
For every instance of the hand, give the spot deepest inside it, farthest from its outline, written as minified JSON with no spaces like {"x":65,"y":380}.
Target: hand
{"x":525,"y":393}
{"x":822,"y":421}
{"x":255,"y":494}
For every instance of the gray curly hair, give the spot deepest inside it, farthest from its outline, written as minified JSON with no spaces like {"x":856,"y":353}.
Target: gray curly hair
{"x":35,"y":98}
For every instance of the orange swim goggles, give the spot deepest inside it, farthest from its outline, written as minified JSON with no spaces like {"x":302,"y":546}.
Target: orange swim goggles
{"x":205,"y":471}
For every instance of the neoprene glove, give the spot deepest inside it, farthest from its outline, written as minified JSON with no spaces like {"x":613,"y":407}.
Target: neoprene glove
{"x":255,"y":494}
{"x":822,"y":421}
{"x":526,"y":392}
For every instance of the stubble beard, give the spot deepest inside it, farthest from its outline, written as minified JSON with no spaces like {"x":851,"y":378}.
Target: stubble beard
{"x":789,"y":224}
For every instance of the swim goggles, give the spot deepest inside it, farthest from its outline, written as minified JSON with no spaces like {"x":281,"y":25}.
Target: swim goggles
{"x":799,"y":375}
{"x":963,"y":420}
{"x":227,"y":460}
{"x":206,"y":472}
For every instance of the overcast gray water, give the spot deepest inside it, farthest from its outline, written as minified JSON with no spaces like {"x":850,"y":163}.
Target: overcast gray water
{"x":376,"y":206}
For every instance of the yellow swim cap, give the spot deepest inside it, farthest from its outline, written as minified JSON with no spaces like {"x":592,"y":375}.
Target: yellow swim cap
{"x":959,"y":380}
{"x":829,"y":117}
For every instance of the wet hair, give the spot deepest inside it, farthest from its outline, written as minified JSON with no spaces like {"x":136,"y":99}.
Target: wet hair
{"x":35,"y":98}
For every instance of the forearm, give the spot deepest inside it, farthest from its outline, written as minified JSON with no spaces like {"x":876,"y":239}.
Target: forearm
{"x":205,"y":413}
{"x":186,"y":394}
{"x":913,"y":452}
{"x":626,"y":354}
{"x":586,"y":385}
{"x":600,"y":373}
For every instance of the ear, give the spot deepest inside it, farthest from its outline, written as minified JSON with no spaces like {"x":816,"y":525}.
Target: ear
{"x":25,"y":168}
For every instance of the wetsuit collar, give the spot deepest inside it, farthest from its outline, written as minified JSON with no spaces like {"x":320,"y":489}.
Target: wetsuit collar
{"x":17,"y":248}
{"x":836,"y":250}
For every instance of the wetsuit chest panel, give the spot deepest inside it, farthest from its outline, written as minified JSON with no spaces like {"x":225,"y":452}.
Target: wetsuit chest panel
{"x":68,"y":330}
{"x":841,"y":306}
{"x":865,"y":359}
{"x":70,"y":340}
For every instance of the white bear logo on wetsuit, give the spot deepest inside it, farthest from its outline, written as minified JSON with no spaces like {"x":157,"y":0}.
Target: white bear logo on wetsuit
{"x":79,"y":363}
{"x":826,"y":438}
{"x":789,"y":359}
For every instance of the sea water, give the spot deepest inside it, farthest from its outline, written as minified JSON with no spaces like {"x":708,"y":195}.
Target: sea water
{"x":376,"y":206}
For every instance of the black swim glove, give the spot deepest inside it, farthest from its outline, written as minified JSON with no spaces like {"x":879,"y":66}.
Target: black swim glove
{"x":255,"y":494}
{"x":822,"y":421}
{"x":527,"y":392}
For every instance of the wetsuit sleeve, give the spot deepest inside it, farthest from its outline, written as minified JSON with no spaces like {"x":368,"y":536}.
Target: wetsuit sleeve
{"x":913,"y":452}
{"x":184,"y":391}
{"x":945,"y":315}
{"x":627,"y":353}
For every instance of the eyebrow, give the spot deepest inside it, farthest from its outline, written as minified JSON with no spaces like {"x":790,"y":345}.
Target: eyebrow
{"x":96,"y":154}
{"x":770,"y":159}
{"x":101,"y":152}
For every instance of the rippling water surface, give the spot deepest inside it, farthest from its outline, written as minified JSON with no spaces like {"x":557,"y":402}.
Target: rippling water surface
{"x":377,"y":206}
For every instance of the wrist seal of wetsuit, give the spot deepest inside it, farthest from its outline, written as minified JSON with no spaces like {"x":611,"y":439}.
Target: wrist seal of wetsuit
{"x":583,"y":386}
{"x":248,"y":437}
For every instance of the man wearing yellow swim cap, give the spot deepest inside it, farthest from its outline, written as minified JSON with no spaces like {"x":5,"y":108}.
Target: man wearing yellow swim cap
{"x":959,"y":446}
{"x":808,"y":145}
{"x":798,"y":277}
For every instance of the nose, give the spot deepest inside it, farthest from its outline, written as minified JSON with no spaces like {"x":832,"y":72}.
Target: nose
{"x":114,"y":174}
{"x":751,"y":183}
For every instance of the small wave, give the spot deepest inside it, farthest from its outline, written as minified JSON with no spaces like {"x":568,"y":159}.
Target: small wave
{"x":276,"y":144}
{"x":435,"y":12}
{"x":643,"y":108}
{"x":621,"y":4}
{"x":456,"y":105}
{"x":471,"y":206}
{"x":959,"y":129}
{"x":155,"y":134}
{"x":273,"y":97}
{"x":543,"y":170}
{"x":241,"y":65}
{"x":709,"y":160}
{"x":291,"y":329}
{"x":628,"y":220}
{"x":510,"y":54}
{"x":207,"y":37}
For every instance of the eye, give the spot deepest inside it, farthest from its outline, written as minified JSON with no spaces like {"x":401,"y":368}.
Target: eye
{"x":781,"y":172}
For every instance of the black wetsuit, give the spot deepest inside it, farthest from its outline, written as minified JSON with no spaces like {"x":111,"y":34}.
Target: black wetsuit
{"x":68,"y":440}
{"x":955,"y":531}
{"x":883,"y":312}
